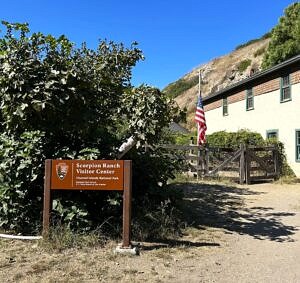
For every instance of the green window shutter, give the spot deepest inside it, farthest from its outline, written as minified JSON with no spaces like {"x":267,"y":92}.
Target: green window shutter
{"x":225,"y":107}
{"x":249,"y":99}
{"x":297,"y":145}
{"x":285,"y":89}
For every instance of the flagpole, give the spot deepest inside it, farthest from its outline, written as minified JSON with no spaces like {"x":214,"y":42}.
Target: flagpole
{"x":199,"y":84}
{"x":198,"y":153}
{"x":201,"y":128}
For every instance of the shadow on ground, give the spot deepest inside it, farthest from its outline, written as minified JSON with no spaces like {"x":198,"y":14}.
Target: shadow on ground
{"x":171,"y":243}
{"x":221,"y":206}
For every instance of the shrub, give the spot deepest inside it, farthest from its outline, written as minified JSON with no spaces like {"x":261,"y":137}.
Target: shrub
{"x":58,"y":101}
{"x":181,"y":139}
{"x":285,"y":169}
{"x":234,"y":139}
{"x":259,"y":51}
{"x":162,"y":220}
{"x":243,"y":65}
{"x":175,"y":89}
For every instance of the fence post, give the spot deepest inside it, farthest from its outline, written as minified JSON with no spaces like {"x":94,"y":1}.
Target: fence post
{"x":191,"y":153}
{"x":206,"y":161}
{"x":199,"y":162}
{"x":242,"y":164}
{"x":247,"y":166}
{"x":47,"y":198}
{"x":191,"y":143}
{"x":276,"y":161}
{"x":127,"y":204}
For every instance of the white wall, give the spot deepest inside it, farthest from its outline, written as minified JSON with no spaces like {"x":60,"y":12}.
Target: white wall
{"x":268,"y":114}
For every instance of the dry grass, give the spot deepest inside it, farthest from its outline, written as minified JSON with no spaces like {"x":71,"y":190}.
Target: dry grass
{"x":34,"y":262}
{"x":288,"y":180}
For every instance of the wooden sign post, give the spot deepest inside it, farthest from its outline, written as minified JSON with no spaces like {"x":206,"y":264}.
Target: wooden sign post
{"x":89,"y":175}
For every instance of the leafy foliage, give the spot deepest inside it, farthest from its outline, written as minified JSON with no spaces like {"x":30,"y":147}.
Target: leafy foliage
{"x":59,"y":101}
{"x":183,"y":139}
{"x":149,"y":113}
{"x":285,"y":37}
{"x":20,"y":179}
{"x":234,"y":139}
{"x":285,"y":169}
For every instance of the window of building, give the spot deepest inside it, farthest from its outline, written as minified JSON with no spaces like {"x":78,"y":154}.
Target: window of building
{"x":249,"y":99}
{"x":272,"y":134}
{"x":225,"y":107}
{"x":298,"y":145}
{"x":285,"y":89}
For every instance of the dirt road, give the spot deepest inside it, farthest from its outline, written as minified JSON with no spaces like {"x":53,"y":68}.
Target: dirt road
{"x":261,"y":240}
{"x":235,"y":234}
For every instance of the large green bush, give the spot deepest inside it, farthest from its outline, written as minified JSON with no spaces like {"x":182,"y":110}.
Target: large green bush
{"x":61,"y":101}
{"x":234,"y":139}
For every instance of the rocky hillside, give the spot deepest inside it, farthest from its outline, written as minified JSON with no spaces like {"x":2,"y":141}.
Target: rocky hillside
{"x":216,"y":75}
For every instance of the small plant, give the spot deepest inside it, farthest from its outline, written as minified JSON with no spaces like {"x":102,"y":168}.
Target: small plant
{"x":259,"y":51}
{"x":160,"y":221}
{"x":243,"y":65}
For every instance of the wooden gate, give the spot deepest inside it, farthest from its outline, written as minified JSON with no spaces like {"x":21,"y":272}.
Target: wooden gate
{"x":244,"y":164}
{"x":261,"y":163}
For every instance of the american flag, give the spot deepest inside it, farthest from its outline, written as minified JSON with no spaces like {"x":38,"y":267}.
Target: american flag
{"x":200,"y":120}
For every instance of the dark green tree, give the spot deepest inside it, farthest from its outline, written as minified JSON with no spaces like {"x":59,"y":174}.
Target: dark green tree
{"x":285,"y":37}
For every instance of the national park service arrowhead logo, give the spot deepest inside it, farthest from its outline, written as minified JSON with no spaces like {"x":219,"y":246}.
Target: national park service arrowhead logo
{"x":62,"y":170}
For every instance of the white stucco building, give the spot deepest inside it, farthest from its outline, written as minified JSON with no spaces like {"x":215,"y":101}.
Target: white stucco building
{"x":267,"y":102}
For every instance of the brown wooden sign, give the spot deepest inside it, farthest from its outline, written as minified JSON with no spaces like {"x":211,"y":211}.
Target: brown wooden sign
{"x":89,"y":175}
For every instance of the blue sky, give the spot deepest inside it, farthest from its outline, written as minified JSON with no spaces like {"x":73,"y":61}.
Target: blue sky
{"x":175,"y":36}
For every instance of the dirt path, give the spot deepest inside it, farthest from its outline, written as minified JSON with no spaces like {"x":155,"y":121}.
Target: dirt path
{"x":234,"y":234}
{"x":262,"y":242}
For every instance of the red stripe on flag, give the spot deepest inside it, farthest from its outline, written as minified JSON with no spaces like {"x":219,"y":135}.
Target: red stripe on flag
{"x":201,"y":122}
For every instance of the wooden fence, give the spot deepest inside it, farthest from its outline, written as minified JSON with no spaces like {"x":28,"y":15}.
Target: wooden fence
{"x":246,"y":164}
